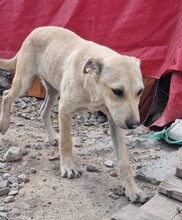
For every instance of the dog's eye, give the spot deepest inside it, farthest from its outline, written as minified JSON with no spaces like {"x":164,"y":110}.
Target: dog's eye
{"x":118,"y":92}
{"x":140,"y":92}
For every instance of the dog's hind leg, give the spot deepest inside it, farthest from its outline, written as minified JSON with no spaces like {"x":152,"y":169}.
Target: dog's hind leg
{"x":50,"y":100}
{"x":20,"y":85}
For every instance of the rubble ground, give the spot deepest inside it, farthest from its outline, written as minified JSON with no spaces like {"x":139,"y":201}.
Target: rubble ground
{"x":33,"y":187}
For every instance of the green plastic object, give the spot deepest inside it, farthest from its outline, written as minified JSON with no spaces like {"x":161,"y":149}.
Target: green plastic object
{"x":164,"y":135}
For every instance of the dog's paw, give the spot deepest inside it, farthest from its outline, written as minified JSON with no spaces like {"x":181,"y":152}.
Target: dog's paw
{"x":3,"y":127}
{"x":70,"y":172}
{"x":135,"y":194}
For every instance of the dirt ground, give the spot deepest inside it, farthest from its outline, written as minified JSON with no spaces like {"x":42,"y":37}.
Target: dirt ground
{"x":47,"y":196}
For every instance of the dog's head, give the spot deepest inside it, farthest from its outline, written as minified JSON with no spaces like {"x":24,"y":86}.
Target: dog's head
{"x":119,"y":82}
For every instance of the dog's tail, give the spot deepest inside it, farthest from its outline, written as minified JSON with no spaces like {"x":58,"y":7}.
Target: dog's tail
{"x":8,"y":64}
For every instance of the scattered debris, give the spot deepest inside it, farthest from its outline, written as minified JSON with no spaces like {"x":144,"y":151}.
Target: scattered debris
{"x":34,"y":181}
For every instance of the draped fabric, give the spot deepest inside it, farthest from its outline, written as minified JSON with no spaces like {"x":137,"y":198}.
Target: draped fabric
{"x":149,"y":30}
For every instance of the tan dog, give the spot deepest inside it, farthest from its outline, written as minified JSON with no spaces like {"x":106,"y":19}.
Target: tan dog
{"x":86,"y":76}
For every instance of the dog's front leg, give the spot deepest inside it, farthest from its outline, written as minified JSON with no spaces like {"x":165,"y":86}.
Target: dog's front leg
{"x":132,"y":191}
{"x":67,"y":166}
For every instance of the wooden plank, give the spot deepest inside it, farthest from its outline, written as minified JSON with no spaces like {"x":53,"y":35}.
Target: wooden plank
{"x":162,"y":206}
{"x":172,"y":187}
{"x":131,"y":212}
{"x":179,"y":171}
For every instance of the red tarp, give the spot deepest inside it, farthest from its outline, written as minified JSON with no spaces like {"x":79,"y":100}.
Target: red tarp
{"x":150,"y":30}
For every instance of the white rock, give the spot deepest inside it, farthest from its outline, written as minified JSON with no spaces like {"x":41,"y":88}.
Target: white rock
{"x":9,"y":199}
{"x":109,"y":163}
{"x":13,"y":193}
{"x":13,"y":154}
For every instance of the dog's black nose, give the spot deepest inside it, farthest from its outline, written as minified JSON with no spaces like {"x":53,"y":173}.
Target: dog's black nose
{"x":132,"y":124}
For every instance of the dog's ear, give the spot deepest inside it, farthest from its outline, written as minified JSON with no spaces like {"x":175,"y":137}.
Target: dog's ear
{"x":94,"y":67}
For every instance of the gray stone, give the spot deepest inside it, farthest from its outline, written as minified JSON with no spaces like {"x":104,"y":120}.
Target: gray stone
{"x":24,"y":151}
{"x":9,"y":199}
{"x":13,"y":179}
{"x":78,"y":145}
{"x":113,"y":195}
{"x":54,"y":157}
{"x":33,"y":170}
{"x":38,"y":146}
{"x":93,"y":116}
{"x":28,"y":146}
{"x":26,"y":99}
{"x":105,"y":124}
{"x":21,"y":185}
{"x":3,"y":214}
{"x":1,"y":160}
{"x":91,"y":168}
{"x":158,"y":170}
{"x":4,"y":191}
{"x":15,"y":211}
{"x":17,"y":100}
{"x":105,"y":130}
{"x":101,"y":119}
{"x":20,"y":124}
{"x":15,"y":185}
{"x":2,"y":165}
{"x":6,"y":176}
{"x":2,"y":208}
{"x":86,"y":115}
{"x":23,"y":178}
{"x":24,"y":105}
{"x":55,"y":109}
{"x":92,"y":120}
{"x":13,"y":154}
{"x":25,"y":115}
